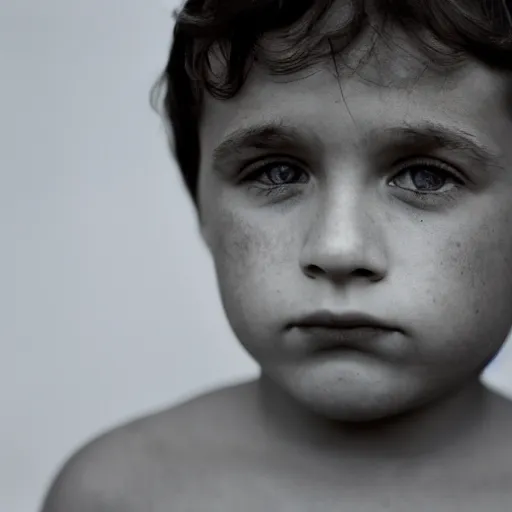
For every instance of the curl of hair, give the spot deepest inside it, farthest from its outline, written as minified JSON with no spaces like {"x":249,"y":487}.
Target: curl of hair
{"x":446,"y":31}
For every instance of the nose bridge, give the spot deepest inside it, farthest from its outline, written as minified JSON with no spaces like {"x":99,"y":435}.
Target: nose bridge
{"x":345,"y":235}
{"x":341,"y":219}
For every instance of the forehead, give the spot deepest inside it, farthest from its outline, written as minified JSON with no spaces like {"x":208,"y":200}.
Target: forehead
{"x":382,"y":56}
{"x":471,"y":98}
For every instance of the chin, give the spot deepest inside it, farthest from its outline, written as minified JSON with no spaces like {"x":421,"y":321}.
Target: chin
{"x":350,"y":411}
{"x":357,"y":399}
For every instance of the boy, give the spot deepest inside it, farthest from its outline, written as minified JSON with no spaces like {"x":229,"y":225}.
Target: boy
{"x":352,"y":170}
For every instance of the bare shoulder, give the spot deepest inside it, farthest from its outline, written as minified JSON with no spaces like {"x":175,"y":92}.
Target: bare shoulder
{"x":144,"y":460}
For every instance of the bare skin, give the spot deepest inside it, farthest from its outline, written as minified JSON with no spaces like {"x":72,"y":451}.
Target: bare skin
{"x":358,"y":217}
{"x":229,"y":451}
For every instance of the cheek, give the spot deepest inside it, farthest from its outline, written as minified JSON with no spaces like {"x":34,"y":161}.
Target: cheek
{"x":485,"y":267}
{"x":467,"y":294}
{"x":249,"y":259}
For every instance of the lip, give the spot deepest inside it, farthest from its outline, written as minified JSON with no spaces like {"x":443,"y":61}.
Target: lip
{"x":325,"y":331}
{"x":348,"y":320}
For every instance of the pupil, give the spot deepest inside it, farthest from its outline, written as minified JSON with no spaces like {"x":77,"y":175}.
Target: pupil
{"x":427,"y":179}
{"x":283,"y":173}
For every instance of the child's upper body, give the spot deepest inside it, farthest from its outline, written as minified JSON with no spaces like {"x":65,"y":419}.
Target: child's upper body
{"x":359,"y":213}
{"x":231,"y":451}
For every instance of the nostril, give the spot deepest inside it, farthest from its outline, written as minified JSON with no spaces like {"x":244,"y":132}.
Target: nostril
{"x":313,"y":271}
{"x":363,"y":272}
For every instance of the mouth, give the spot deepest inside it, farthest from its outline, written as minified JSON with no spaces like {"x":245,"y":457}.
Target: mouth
{"x":326,"y":331}
{"x":326,"y":339}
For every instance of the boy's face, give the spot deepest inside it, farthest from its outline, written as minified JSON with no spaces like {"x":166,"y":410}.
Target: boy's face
{"x":352,"y":214}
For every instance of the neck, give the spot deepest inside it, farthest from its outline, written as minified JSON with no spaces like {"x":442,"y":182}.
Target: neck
{"x":447,"y":426}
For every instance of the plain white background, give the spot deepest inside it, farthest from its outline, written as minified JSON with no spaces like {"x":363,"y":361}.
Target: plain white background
{"x":109,"y":303}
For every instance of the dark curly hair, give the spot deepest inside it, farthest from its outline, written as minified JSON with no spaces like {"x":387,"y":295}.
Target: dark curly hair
{"x":481,"y":29}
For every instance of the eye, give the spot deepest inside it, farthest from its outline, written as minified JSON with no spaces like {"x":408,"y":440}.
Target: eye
{"x":424,"y":177}
{"x":276,"y":177}
{"x":429,"y":182}
{"x":276,"y":174}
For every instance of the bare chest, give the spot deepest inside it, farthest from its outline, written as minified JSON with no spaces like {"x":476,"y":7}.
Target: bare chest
{"x":234,"y":486}
{"x":262,"y":495}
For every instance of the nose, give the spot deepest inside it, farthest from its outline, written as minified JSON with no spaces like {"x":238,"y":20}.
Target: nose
{"x":345,"y":238}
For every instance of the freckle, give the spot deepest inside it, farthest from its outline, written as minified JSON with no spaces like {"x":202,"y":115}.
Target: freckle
{"x":458,"y":244}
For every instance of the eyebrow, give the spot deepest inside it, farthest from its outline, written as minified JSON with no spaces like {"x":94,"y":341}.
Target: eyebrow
{"x":431,"y":135}
{"x":272,"y":135}
{"x":426,"y":136}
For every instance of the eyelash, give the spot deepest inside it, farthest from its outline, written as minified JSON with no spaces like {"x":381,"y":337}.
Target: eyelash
{"x":438,"y":167}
